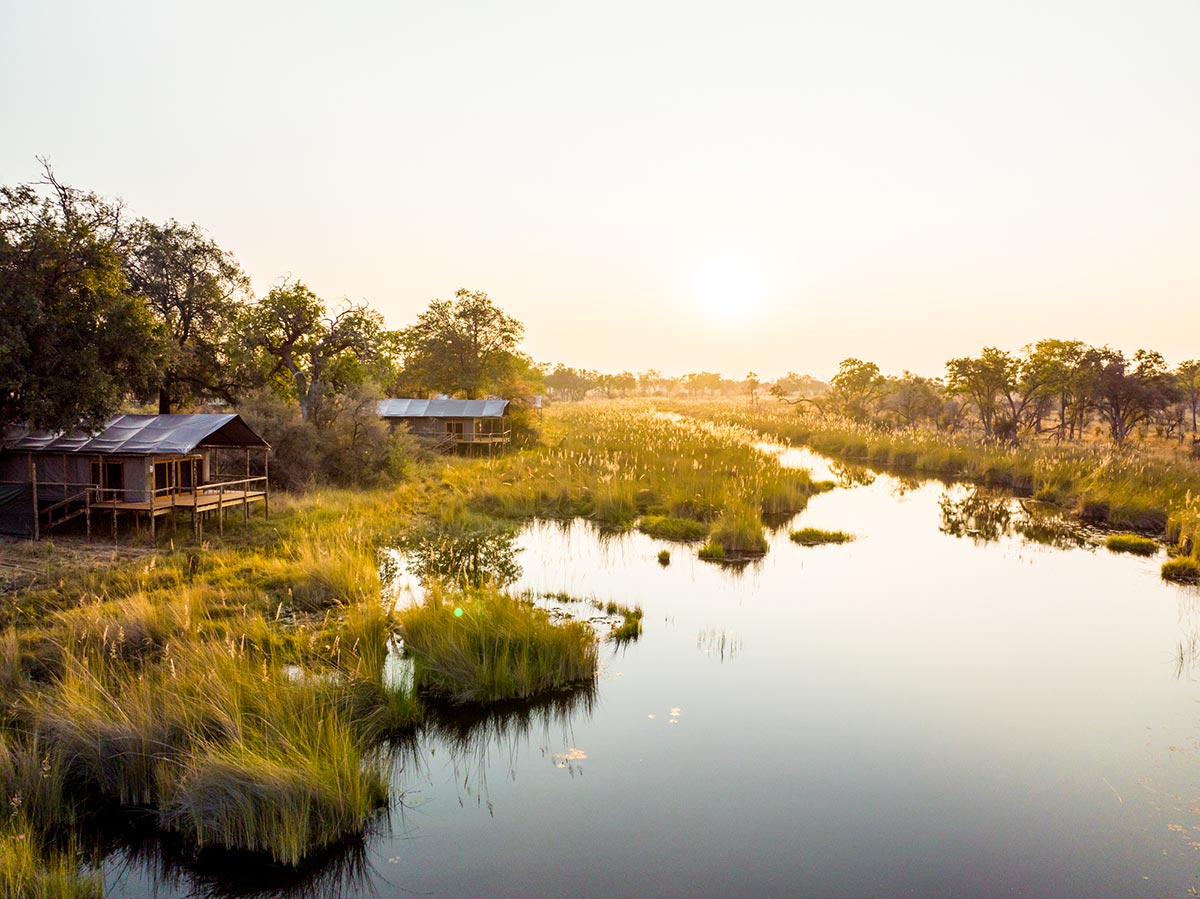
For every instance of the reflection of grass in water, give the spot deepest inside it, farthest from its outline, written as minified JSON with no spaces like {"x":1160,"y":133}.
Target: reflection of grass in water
{"x":171,"y":863}
{"x":483,"y":646}
{"x":816,"y":536}
{"x":1131,"y":543}
{"x":718,"y":643}
{"x":473,"y":732}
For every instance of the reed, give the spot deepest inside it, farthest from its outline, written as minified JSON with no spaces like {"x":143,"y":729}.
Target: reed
{"x":32,"y":868}
{"x":482,"y":645}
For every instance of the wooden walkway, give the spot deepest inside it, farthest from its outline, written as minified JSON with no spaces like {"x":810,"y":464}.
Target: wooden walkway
{"x":207,"y":501}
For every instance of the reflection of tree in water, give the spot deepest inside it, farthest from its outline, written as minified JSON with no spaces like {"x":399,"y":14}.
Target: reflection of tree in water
{"x":848,"y":475}
{"x":470,"y":554}
{"x":169,"y":863}
{"x":985,"y":515}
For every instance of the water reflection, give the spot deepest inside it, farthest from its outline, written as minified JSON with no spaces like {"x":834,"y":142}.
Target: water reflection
{"x":469,"y":554}
{"x":167,"y":863}
{"x":479,"y":736}
{"x":988,"y":514}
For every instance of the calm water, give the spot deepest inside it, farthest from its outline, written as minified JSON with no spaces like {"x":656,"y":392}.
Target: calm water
{"x":945,"y":707}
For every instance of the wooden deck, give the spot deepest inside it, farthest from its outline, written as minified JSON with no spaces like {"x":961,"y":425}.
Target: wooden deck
{"x":206,"y":501}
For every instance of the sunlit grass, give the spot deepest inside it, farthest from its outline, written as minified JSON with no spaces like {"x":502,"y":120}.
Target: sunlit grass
{"x":1131,"y":543}
{"x":483,"y":645}
{"x":816,"y":536}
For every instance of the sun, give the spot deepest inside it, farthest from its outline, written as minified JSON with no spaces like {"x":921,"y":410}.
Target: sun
{"x":727,"y":289}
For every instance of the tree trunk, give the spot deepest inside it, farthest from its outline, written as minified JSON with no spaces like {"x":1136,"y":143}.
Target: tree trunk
{"x":164,"y":399}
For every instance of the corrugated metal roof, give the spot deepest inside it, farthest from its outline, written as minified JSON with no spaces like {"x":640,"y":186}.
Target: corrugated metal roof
{"x":141,"y":435}
{"x":411,"y":408}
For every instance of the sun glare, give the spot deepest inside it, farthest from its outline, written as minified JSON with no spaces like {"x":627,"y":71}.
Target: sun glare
{"x":727,"y":289}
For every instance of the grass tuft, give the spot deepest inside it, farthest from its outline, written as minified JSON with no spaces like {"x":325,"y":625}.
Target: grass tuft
{"x":1131,"y":543}
{"x":816,"y":536}
{"x":1183,"y":570}
{"x":496,"y":648}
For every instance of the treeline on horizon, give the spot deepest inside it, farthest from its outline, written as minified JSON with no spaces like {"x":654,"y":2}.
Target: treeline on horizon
{"x":101,"y":311}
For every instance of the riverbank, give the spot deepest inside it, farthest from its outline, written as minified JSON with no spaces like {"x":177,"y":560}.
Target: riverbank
{"x":208,"y":686}
{"x":1151,"y":488}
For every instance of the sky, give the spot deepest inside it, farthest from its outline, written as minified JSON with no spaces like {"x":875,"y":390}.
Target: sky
{"x":764,"y":186}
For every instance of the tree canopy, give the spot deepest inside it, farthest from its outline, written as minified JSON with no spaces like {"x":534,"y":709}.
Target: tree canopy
{"x":74,"y":341}
{"x":464,"y":345}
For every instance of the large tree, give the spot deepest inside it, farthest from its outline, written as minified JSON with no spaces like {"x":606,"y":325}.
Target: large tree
{"x":73,"y":341}
{"x":856,"y":388}
{"x":308,"y":350}
{"x":1129,"y":392}
{"x":1188,"y":376}
{"x":197,"y":291}
{"x":464,"y":345}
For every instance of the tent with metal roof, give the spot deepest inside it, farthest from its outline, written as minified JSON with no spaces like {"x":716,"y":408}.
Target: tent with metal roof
{"x":442,"y":408}
{"x":141,"y":435}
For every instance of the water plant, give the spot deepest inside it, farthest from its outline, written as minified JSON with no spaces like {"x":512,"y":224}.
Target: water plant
{"x":666,"y":527}
{"x":664,"y":557}
{"x":1182,"y":570}
{"x":1131,"y":543}
{"x":482,"y":645}
{"x":816,"y":536}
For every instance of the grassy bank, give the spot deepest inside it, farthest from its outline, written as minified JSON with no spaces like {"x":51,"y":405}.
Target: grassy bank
{"x":235,"y":690}
{"x":1152,"y":489}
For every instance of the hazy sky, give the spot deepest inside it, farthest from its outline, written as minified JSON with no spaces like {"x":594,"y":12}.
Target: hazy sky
{"x":723,"y":186}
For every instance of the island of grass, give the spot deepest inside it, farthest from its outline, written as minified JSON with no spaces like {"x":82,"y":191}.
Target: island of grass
{"x":666,"y":527}
{"x":486,"y":646}
{"x":737,"y":535}
{"x":818,"y":537}
{"x":1131,"y":543}
{"x":1183,"y":570}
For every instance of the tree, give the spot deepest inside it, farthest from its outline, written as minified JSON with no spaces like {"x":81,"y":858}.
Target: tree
{"x":990,"y":382}
{"x":567,"y":383}
{"x":1188,"y":375}
{"x":464,"y":345}
{"x":1056,"y":365}
{"x":197,"y":291}
{"x":911,"y":398}
{"x":1127,"y":395}
{"x":752,"y":384}
{"x":856,"y":387}
{"x":309,"y":351}
{"x":73,"y":341}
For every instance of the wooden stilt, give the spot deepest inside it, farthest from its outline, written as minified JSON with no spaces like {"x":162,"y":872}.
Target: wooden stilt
{"x":37,"y":515}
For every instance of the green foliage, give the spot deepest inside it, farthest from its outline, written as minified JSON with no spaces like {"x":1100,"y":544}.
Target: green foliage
{"x":73,"y":341}
{"x":1183,"y":570}
{"x":665,"y":527}
{"x":816,"y":536}
{"x":739,"y":532}
{"x":196,"y":292}
{"x":496,"y":648}
{"x":664,"y":557}
{"x":464,"y":345}
{"x":308,"y":351}
{"x":1131,"y":543}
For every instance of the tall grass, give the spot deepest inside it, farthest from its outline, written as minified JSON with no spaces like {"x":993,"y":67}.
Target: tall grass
{"x":1133,"y":487}
{"x":483,"y":646}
